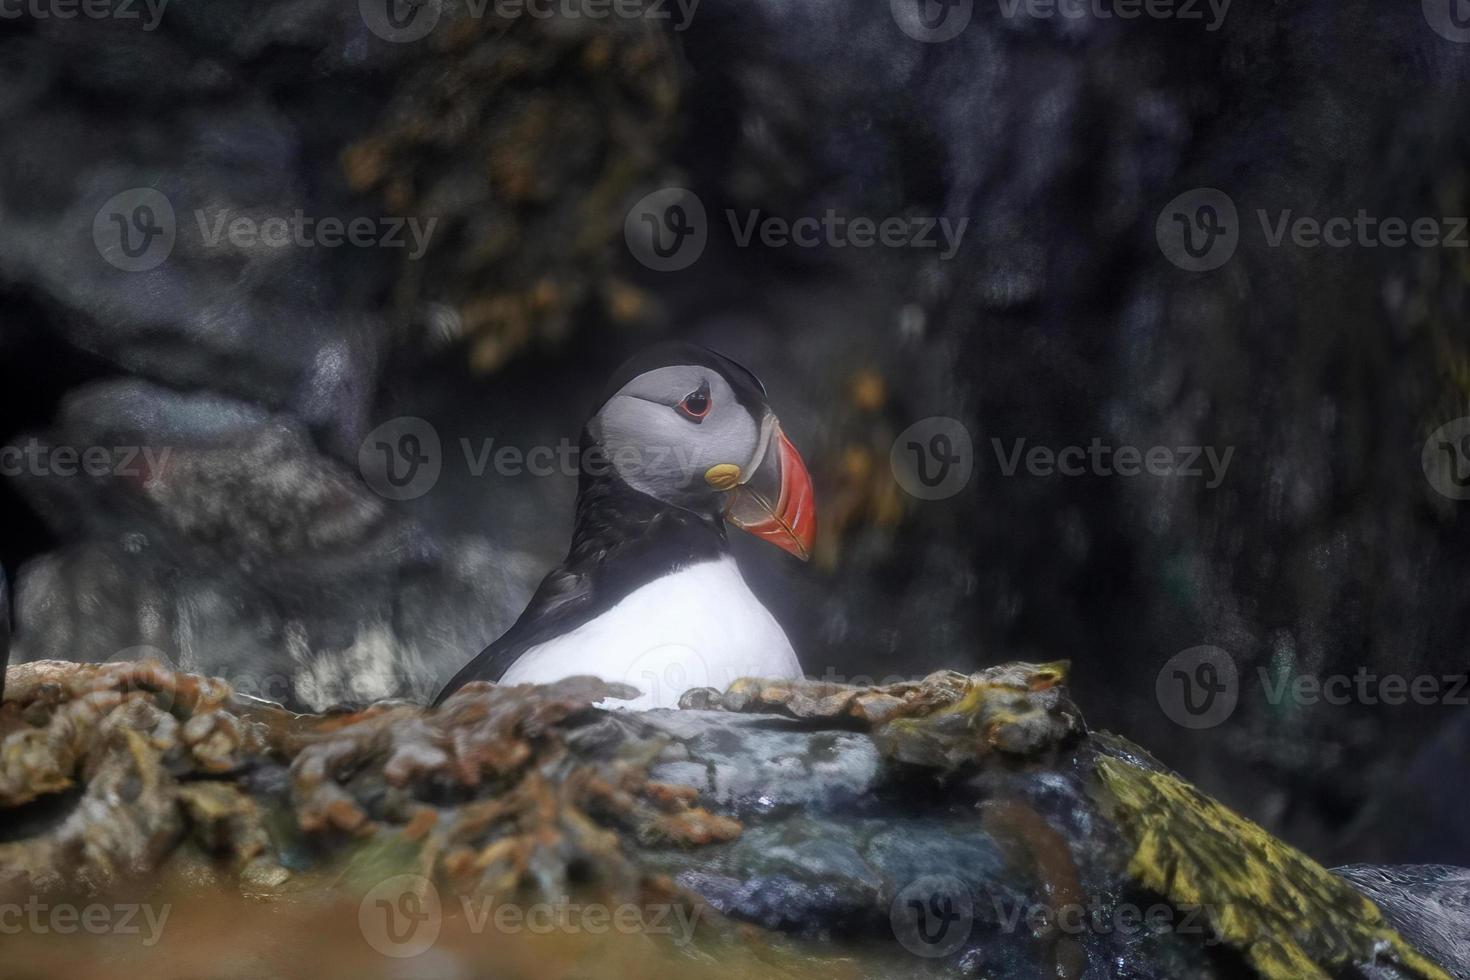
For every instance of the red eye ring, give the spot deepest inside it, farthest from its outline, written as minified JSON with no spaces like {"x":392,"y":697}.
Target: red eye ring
{"x":695,"y":405}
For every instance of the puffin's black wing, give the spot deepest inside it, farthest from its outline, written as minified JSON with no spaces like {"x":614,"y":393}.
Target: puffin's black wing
{"x":623,"y":540}
{"x":563,"y":601}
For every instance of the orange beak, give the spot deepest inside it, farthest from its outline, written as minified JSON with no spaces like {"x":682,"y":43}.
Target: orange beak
{"x":775,"y":501}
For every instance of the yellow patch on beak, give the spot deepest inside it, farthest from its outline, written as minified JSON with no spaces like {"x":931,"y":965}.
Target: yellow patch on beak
{"x":723,"y":476}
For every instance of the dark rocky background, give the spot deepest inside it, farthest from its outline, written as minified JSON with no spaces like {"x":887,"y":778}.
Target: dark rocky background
{"x":259,"y":553}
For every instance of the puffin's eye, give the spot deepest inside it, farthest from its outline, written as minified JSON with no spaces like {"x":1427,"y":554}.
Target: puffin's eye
{"x":695,"y":405}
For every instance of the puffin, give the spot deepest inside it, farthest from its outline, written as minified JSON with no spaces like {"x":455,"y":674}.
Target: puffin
{"x":682,"y":445}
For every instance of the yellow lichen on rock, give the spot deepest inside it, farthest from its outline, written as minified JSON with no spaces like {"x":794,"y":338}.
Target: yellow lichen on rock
{"x":1019,"y":710}
{"x":1289,"y":916}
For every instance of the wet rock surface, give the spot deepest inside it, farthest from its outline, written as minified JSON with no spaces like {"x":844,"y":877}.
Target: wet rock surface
{"x":1067,"y":853}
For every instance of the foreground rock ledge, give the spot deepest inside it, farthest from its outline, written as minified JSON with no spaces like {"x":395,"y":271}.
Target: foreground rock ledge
{"x":964,"y":825}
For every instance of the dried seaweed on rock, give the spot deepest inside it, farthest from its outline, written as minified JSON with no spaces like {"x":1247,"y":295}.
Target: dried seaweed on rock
{"x":127,"y":735}
{"x":1016,"y":710}
{"x":804,"y":698}
{"x":511,"y":803}
{"x":114,"y":772}
{"x":943,"y":720}
{"x":487,"y":792}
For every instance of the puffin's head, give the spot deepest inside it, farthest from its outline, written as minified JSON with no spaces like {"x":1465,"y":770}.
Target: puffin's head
{"x":693,"y":429}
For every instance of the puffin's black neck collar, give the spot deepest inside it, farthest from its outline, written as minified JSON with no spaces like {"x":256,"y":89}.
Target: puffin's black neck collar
{"x":624,"y":531}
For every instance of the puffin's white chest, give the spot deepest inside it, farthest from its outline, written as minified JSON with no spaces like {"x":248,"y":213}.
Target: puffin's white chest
{"x":699,"y":627}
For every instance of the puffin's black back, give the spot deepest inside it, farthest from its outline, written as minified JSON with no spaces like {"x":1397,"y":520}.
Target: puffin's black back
{"x":623,"y":540}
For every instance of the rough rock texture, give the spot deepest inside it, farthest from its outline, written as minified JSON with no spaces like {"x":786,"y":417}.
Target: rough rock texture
{"x":230,"y":545}
{"x":1058,"y":321}
{"x":977,"y":828}
{"x":252,"y":549}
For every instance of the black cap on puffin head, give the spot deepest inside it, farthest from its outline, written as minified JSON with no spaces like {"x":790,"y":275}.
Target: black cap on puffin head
{"x":692,"y":428}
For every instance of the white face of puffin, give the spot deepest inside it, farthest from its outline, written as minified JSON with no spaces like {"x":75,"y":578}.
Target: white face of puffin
{"x":680,"y":435}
